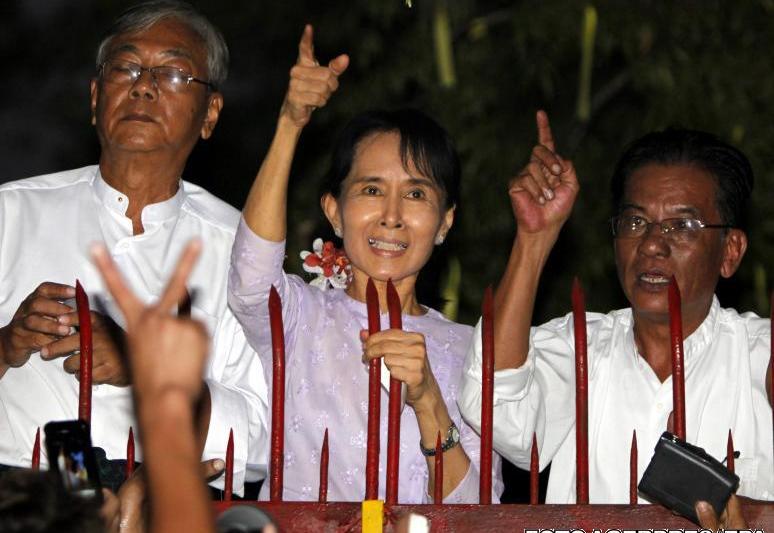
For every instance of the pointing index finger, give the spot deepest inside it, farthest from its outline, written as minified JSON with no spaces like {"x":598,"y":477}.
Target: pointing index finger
{"x":306,"y":48}
{"x":545,"y":136}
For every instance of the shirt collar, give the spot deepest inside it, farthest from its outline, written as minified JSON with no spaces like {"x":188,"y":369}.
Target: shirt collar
{"x":118,"y":201}
{"x":696,"y":342}
{"x":362,"y":309}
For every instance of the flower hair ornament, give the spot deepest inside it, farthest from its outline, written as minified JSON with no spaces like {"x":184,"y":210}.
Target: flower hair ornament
{"x":329,"y":263}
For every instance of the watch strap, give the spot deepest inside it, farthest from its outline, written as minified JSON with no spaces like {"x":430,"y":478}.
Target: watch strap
{"x":452,"y":439}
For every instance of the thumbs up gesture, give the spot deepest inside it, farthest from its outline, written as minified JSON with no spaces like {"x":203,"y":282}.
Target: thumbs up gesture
{"x":311,"y":84}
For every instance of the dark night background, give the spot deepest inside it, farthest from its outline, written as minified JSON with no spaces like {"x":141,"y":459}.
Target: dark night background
{"x":606,"y":72}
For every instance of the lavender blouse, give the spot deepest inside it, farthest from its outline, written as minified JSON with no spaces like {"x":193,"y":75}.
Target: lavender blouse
{"x":327,"y":382}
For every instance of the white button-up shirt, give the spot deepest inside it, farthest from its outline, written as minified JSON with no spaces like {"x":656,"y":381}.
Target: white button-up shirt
{"x":46,"y":226}
{"x":725,"y":368}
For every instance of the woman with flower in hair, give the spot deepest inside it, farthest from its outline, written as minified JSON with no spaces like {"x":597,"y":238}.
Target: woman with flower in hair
{"x":391,"y":194}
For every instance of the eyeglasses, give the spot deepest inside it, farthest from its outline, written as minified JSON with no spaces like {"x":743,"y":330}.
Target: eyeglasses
{"x":675,"y":229}
{"x":168,"y":79}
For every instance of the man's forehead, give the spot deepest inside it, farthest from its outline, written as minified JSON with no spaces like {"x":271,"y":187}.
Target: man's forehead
{"x":134,"y":49}
{"x":169,"y":37}
{"x":682,"y":189}
{"x":677,"y":209}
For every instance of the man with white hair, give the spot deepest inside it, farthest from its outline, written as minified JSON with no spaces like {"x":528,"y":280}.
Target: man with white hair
{"x":154,"y":95}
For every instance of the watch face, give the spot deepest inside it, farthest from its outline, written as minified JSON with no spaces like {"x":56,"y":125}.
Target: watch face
{"x":454,"y":433}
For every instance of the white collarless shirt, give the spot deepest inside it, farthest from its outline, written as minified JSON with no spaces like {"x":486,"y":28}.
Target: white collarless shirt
{"x":47,"y":224}
{"x":725,"y":361}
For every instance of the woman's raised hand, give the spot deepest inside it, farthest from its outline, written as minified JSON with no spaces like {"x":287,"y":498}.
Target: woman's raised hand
{"x":543,"y":193}
{"x":311,"y":85}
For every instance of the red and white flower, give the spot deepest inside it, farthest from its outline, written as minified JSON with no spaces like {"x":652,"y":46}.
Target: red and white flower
{"x":329,"y":263}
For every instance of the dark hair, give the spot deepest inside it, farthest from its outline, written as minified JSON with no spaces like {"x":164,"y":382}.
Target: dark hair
{"x":422,"y":141}
{"x":36,"y":502}
{"x":674,"y":146}
{"x":143,"y":16}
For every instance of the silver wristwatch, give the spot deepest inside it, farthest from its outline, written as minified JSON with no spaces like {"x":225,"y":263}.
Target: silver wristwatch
{"x":452,"y":439}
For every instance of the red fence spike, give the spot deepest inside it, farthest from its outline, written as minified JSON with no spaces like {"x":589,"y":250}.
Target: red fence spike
{"x":633,"y":474}
{"x":374,"y":398}
{"x":228,"y":486}
{"x":277,"y":453}
{"x":438,"y":487}
{"x":130,"y":454}
{"x":678,"y":370}
{"x":487,"y":396}
{"x":393,"y":306}
{"x":393,"y":416}
{"x":581,"y":394}
{"x":184,"y":305}
{"x":84,"y":373}
{"x":730,"y":453}
{"x":534,"y":472}
{"x":322,"y":495}
{"x":36,"y":451}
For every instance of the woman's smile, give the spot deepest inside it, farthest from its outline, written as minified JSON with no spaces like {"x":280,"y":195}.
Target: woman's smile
{"x":384,"y":245}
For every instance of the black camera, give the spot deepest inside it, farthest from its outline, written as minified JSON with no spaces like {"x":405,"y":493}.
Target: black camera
{"x":680,"y":475}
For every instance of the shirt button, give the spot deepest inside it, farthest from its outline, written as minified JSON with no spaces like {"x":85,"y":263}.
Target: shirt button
{"x":120,"y":199}
{"x":659,"y":405}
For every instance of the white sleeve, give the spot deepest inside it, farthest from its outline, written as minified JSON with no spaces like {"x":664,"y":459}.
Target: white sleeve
{"x":537,"y":397}
{"x":239,"y":403}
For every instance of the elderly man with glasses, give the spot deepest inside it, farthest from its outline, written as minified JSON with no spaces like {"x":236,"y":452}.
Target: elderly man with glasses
{"x":154,"y":95}
{"x":679,"y":198}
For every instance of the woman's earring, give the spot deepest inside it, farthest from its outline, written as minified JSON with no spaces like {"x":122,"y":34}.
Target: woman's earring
{"x":439,"y":240}
{"x":337,"y":232}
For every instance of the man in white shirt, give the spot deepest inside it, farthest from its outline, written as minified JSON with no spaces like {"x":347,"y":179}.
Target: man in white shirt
{"x":154,"y":95}
{"x":679,"y":197}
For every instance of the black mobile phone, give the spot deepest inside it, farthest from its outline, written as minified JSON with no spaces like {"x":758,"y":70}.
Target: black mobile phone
{"x":71,"y":456}
{"x":680,"y":474}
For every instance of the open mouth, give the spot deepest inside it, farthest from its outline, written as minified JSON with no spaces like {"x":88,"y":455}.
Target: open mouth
{"x":654,"y":278}
{"x":392,"y":246}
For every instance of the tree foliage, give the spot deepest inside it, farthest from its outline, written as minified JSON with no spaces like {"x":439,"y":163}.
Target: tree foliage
{"x":654,"y":64}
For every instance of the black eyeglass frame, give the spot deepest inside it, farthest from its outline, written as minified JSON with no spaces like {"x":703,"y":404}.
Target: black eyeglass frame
{"x":152,"y":71}
{"x":664,"y":231}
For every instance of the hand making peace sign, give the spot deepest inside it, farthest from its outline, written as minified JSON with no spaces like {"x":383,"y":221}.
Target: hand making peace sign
{"x":543,"y":193}
{"x":311,"y":85}
{"x":165,"y":352}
